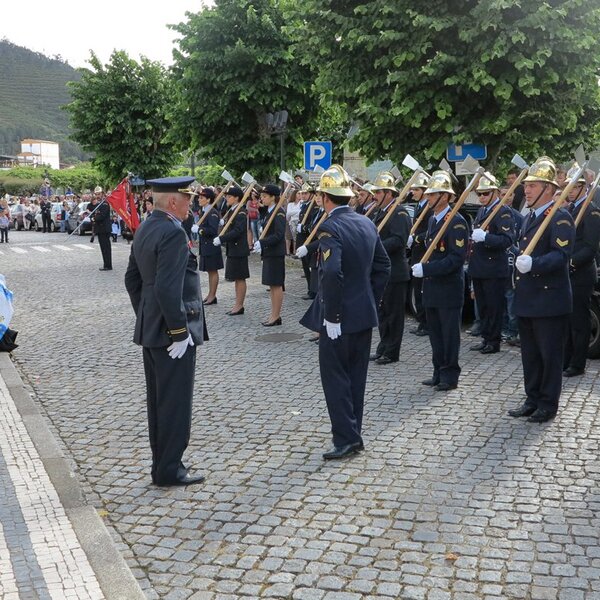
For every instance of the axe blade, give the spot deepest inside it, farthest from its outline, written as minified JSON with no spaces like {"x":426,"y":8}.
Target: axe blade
{"x":247,"y":178}
{"x":519,"y":162}
{"x":396,"y":172}
{"x":227,"y":175}
{"x":593,"y":164}
{"x":580,"y":154}
{"x":470,"y":164}
{"x":318,"y":169}
{"x":285,"y":176}
{"x":411,"y":163}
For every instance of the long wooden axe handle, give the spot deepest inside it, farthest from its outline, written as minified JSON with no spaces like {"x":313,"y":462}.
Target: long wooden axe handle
{"x":237,"y":208}
{"x":587,"y":201}
{"x":371,"y":208}
{"x":312,"y":234}
{"x":445,"y":225}
{"x":275,"y":211}
{"x":214,"y":202}
{"x":310,"y":205}
{"x":557,"y":204}
{"x":419,"y":219}
{"x":390,"y":211}
{"x":508,"y":196}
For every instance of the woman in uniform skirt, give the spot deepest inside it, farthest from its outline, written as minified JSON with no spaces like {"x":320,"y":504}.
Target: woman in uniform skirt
{"x":236,"y":248}
{"x":272,"y":249}
{"x":211,"y":258}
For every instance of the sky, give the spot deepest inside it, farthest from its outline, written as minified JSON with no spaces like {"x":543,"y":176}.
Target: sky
{"x":71,"y":28}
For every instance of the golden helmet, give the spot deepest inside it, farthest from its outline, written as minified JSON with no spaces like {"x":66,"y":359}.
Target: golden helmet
{"x":97,"y":190}
{"x":487,"y":183}
{"x":335,"y":181}
{"x":440,"y":182}
{"x":308,"y":187}
{"x":422,"y":181}
{"x":573,"y":171}
{"x":543,"y":170}
{"x":384,"y":181}
{"x":368,"y":187}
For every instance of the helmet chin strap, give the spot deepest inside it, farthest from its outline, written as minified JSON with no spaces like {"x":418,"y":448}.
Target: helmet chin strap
{"x":538,"y":196}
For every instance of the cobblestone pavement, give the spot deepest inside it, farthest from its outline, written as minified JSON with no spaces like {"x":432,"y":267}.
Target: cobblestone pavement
{"x":451,"y":499}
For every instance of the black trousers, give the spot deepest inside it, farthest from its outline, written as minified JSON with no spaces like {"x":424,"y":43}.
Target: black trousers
{"x":105,"y":248}
{"x":489,"y":295}
{"x":306,"y":268}
{"x":343,"y":364}
{"x":444,"y":334}
{"x":542,"y":347}
{"x":580,"y":327}
{"x":169,"y":389}
{"x":391,"y":319}
{"x":417,"y":283}
{"x":46,"y":222}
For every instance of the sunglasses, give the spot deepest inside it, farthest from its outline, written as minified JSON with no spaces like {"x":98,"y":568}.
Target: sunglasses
{"x":482,"y":193}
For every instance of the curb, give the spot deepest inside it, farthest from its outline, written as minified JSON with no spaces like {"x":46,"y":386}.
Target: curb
{"x":114,"y":576}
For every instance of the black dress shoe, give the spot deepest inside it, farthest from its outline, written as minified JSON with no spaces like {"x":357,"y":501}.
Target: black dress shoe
{"x":374,"y":357}
{"x":573,"y":372}
{"x":524,"y":410}
{"x":475,"y":331}
{"x":478,"y":347}
{"x":384,"y":360}
{"x":541,"y":416}
{"x":338,"y":452}
{"x":445,"y":387}
{"x":213,"y":301}
{"x":309,"y":297}
{"x":422,"y":332}
{"x":187,"y":480}
{"x":271,"y":323}
{"x":489,"y":349}
{"x":314,"y":338}
{"x":232,"y":313}
{"x":430,"y":382}
{"x":105,"y":269}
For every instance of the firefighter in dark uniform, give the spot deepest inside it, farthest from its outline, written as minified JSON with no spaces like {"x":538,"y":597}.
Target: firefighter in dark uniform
{"x":102,"y":225}
{"x":164,"y":289}
{"x":394,"y":236}
{"x":543,"y":299}
{"x":583,"y":275}
{"x":443,"y":283}
{"x":353,"y":271}
{"x":309,"y":206}
{"x":236,"y":248}
{"x":311,"y":251}
{"x":211,"y":257}
{"x":272,"y":250}
{"x":416,"y":244}
{"x":488,"y":263}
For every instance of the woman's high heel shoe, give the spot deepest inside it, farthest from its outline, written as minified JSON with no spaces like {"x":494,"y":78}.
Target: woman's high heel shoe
{"x":213,"y":301}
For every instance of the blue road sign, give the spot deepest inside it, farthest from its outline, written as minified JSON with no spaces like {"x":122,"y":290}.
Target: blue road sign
{"x":458,"y":152}
{"x":317,"y":153}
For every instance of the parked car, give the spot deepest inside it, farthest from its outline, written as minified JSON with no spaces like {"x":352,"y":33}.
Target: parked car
{"x":79,"y":218}
{"x":55,"y":216}
{"x":21,"y":217}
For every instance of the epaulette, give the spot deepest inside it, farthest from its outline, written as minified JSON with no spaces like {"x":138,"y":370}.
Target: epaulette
{"x":595,"y":212}
{"x":324,"y":234}
{"x":460,"y":226}
{"x":563,"y":222}
{"x":505,"y":216}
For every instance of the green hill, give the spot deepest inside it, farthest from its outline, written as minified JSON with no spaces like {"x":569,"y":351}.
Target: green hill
{"x":32,"y":90}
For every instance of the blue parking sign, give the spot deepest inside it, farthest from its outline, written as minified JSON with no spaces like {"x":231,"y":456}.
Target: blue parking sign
{"x":317,"y":154}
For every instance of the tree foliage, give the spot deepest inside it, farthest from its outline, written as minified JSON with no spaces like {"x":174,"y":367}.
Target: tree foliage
{"x":518,"y":75}
{"x":122,"y":113}
{"x":234,"y":66}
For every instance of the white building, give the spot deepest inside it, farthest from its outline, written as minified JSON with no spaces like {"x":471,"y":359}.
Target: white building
{"x":39,"y":153}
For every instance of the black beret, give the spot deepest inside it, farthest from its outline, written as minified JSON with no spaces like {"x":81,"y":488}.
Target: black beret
{"x":271,"y":189}
{"x":207,"y":193}
{"x":234,"y":190}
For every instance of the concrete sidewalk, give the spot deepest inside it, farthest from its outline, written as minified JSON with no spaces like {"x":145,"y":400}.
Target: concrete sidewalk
{"x":52,"y":544}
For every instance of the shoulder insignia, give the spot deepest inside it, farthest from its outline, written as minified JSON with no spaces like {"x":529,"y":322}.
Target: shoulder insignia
{"x":460,"y":243}
{"x":326,"y":254}
{"x":324,"y":235}
{"x":505,"y":228}
{"x":563,"y":222}
{"x":595,"y":212}
{"x":459,"y":226}
{"x":562,"y":243}
{"x":505,"y":216}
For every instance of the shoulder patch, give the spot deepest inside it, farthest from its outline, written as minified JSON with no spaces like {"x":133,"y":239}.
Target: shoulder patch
{"x":505,"y":216}
{"x":563,"y":222}
{"x":323,"y":235}
{"x":459,"y":226}
{"x":460,"y":243}
{"x":596,"y":213}
{"x":562,"y":243}
{"x":326,"y":254}
{"x":505,"y":228}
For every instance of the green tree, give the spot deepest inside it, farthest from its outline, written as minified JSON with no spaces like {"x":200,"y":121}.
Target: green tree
{"x":234,"y":66}
{"x":122,"y":113}
{"x":517,"y":75}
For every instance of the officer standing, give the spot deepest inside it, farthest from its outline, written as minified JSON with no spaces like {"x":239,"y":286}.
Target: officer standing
{"x":583,"y":276}
{"x":164,"y":289}
{"x":543,"y":299}
{"x":46,"y":211}
{"x":102,"y":225}
{"x":416,"y":244}
{"x":236,"y":248}
{"x":394,"y":236}
{"x":306,"y":206}
{"x":353,"y":271}
{"x":488,"y":263}
{"x":272,"y":249}
{"x":443,"y":283}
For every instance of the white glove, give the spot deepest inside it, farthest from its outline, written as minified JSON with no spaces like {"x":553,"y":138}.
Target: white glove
{"x":257,"y":247}
{"x":195,"y":228}
{"x":217,"y":241}
{"x":299,"y":228}
{"x":523,"y":264}
{"x":302,"y":252}
{"x":221,"y":222}
{"x":410,"y":241}
{"x":417,"y":270}
{"x":478,"y":235}
{"x":334,"y":330}
{"x":177,"y":349}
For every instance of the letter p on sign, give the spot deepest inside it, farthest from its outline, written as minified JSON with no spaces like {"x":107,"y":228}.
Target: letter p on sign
{"x":317,"y":153}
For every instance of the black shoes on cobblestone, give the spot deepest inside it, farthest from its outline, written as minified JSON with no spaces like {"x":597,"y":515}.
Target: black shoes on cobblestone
{"x":384,"y":360}
{"x":525,"y":410}
{"x":232,"y":313}
{"x":338,"y":452}
{"x":430,"y":382}
{"x":541,"y":416}
{"x":489,"y":349}
{"x":478,"y":347}
{"x":272,"y":323}
{"x":213,"y":301}
{"x":445,"y":387}
{"x":105,"y":269}
{"x":573,"y":372}
{"x":374,"y":357}
{"x":419,"y":331}
{"x":309,"y":297}
{"x":187,"y":480}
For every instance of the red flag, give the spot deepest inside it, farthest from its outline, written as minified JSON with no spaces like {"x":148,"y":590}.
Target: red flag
{"x":121,"y":200}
